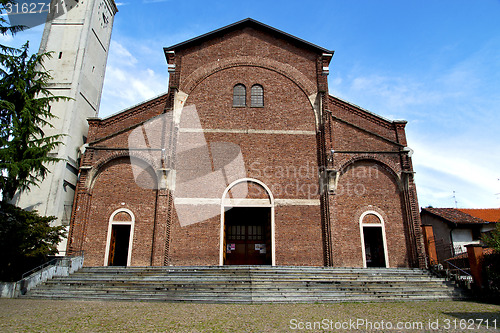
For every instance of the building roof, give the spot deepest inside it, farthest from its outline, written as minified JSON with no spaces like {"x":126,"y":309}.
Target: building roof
{"x":487,"y":214}
{"x":248,"y":22}
{"x":455,"y":215}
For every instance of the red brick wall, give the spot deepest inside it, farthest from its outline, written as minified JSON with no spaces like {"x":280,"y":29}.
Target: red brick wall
{"x":366,"y":186}
{"x":298,"y":236}
{"x":195,"y":244}
{"x":116,"y":188}
{"x":248,"y":42}
{"x":287,"y":163}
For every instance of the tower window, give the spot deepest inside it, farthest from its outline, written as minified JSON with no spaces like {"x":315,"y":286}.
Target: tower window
{"x":239,"y":95}
{"x":257,"y":96}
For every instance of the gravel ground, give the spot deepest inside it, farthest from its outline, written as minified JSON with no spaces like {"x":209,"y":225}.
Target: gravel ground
{"x":83,"y":316}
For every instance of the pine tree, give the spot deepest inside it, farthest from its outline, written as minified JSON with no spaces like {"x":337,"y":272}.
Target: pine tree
{"x":6,"y":28}
{"x":26,"y":238}
{"x":24,"y":113}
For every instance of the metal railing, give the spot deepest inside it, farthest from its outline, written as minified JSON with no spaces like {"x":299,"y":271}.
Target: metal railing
{"x":53,"y":261}
{"x":458,"y":274}
{"x":452,"y":262}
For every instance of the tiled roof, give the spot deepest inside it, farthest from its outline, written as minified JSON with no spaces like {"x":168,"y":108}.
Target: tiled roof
{"x":454,"y":215}
{"x":489,"y":214}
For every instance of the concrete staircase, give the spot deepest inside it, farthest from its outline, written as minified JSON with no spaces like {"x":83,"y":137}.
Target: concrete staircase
{"x":247,"y":284}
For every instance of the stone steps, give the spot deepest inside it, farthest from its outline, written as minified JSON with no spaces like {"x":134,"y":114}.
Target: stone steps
{"x":247,"y":284}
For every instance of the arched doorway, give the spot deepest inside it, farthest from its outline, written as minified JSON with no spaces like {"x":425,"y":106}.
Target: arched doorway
{"x":373,"y":240}
{"x":247,"y":224}
{"x":120,"y":237}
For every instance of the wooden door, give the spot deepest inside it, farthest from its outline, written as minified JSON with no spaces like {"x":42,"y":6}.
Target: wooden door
{"x":247,"y":230}
{"x":119,"y":245}
{"x":112,"y":247}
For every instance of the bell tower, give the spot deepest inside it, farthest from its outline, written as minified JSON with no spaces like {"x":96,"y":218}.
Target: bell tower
{"x":78,"y":33}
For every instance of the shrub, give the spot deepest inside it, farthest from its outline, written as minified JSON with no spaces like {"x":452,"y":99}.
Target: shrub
{"x":26,"y":239}
{"x":492,"y":261}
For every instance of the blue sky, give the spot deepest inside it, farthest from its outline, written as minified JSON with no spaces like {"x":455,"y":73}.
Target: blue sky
{"x":434,"y":63}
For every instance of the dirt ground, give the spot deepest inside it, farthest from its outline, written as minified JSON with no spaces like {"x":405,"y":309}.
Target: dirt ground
{"x":17,"y":315}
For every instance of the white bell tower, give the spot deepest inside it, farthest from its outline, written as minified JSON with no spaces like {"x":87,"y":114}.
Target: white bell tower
{"x":78,"y":33}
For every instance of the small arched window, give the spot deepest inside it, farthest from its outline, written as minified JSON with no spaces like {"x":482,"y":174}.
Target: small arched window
{"x":257,"y":96}
{"x":239,"y":95}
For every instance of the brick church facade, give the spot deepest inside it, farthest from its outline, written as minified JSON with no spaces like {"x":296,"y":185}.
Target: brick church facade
{"x":247,"y":160}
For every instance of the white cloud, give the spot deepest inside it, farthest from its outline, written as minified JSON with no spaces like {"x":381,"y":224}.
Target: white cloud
{"x":453,"y":114}
{"x":128,"y":81}
{"x":120,"y":55}
{"x":443,"y":168}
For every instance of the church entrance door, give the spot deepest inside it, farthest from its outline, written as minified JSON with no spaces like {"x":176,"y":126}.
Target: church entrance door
{"x":248,"y":236}
{"x":118,"y":246}
{"x":374,"y":247}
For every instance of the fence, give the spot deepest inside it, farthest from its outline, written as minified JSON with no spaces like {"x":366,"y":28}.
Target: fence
{"x":60,"y":266}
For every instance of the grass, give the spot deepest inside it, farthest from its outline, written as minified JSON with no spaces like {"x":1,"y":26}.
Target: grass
{"x":18,"y":315}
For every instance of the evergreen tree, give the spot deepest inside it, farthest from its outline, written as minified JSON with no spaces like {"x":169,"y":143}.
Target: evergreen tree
{"x":24,"y":113}
{"x":26,"y":239}
{"x":6,"y":28}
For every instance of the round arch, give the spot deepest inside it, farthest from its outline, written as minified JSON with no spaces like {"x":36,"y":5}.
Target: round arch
{"x":371,"y":230}
{"x":389,"y":168}
{"x":123,"y":227}
{"x":101,"y":164}
{"x":308,"y":87}
{"x":286,"y":70}
{"x":246,"y":203}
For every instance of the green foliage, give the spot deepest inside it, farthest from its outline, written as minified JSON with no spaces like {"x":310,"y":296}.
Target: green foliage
{"x":26,"y":239}
{"x":6,"y":28}
{"x":24,"y":114}
{"x":491,"y":267}
{"x":492,"y":239}
{"x":492,"y":261}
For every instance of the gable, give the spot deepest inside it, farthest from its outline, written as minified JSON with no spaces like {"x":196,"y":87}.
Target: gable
{"x":247,"y":43}
{"x":247,"y":47}
{"x":248,"y":22}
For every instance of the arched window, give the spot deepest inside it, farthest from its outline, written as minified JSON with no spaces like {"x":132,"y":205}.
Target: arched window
{"x":239,"y":95}
{"x":257,"y":96}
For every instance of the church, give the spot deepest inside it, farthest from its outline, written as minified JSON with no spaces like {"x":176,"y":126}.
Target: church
{"x":246,"y":160}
